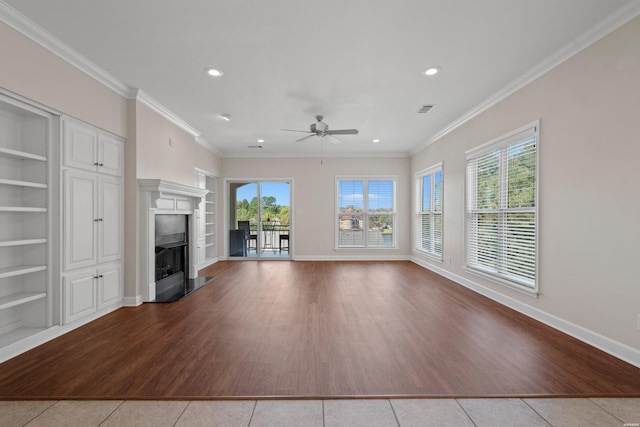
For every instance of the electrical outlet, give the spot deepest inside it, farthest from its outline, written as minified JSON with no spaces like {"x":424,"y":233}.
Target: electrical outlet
{"x":449,"y":260}
{"x":321,"y":247}
{"x":639,"y":322}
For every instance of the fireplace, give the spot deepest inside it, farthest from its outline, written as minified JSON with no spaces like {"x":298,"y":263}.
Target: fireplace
{"x":168,"y":237}
{"x":172,"y":257}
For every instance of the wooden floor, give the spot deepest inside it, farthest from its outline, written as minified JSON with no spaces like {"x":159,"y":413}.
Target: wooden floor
{"x":317,"y":330}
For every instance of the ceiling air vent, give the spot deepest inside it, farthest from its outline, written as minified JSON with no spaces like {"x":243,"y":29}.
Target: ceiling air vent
{"x":424,"y":109}
{"x":254,"y":146}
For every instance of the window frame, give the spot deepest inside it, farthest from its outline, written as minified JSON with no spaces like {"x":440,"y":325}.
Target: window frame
{"x":499,"y":273}
{"x":365,"y":211}
{"x":420,"y":213}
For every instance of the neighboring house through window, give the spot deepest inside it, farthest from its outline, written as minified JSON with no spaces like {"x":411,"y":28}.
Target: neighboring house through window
{"x":428,"y":225}
{"x":366,"y":212}
{"x":501,"y":209}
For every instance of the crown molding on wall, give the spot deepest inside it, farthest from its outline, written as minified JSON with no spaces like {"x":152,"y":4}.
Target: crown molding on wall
{"x":154,"y":105}
{"x":39,"y":35}
{"x":595,"y":33}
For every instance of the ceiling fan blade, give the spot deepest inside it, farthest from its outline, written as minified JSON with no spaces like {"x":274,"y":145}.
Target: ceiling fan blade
{"x":295,"y":130}
{"x":305,"y":137}
{"x":343,"y":132}
{"x":333,"y":138}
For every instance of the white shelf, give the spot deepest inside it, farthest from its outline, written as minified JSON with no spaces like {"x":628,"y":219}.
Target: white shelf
{"x":21,"y":209}
{"x":21,"y":154}
{"x":209,"y":234}
{"x":209,"y":223}
{"x":20,"y":298}
{"x":17,"y":335}
{"x":22,"y":183}
{"x":7,"y":243}
{"x":210,"y":244}
{"x":20,"y":270}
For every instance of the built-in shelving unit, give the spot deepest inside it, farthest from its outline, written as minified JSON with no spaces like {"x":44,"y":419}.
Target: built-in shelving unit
{"x":210,"y":218}
{"x":26,"y":134}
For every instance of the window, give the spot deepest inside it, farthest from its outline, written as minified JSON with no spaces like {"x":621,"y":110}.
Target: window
{"x":365,"y":204}
{"x":429,"y":195}
{"x":501,"y":209}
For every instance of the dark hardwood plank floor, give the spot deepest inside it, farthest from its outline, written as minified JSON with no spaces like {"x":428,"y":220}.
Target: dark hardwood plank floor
{"x":316,"y":330}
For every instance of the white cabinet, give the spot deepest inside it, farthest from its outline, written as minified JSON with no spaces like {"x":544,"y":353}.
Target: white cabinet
{"x":26,"y":135}
{"x":87,"y":291}
{"x":93,"y":220}
{"x":88,"y":148}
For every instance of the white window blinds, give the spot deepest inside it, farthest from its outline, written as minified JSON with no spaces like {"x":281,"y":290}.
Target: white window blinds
{"x":501,"y":212}
{"x":428,"y":225}
{"x":366,"y":212}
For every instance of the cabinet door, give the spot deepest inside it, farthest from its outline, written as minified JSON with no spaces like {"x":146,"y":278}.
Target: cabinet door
{"x":109,"y":286}
{"x":110,"y":219}
{"x":80,"y":146}
{"x":110,"y":155}
{"x":79,"y":295}
{"x":80,"y":207}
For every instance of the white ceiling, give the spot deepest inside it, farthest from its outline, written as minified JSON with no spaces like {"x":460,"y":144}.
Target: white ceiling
{"x":357,"y":62}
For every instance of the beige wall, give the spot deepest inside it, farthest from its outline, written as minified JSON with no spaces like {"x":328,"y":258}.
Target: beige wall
{"x":33,"y":72}
{"x":314,"y":199}
{"x":175,"y":161}
{"x":589,"y":226}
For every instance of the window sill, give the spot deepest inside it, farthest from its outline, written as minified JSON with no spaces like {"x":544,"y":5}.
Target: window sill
{"x":533,"y":292}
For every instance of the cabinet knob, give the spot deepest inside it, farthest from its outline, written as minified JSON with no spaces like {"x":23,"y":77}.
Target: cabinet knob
{"x":100,"y":164}
{"x":96,"y":277}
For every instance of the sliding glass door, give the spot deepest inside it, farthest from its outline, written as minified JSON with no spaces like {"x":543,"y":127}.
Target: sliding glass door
{"x":259,"y":219}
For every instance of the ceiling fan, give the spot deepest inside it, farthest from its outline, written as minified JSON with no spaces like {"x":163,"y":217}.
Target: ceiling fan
{"x":321,"y":129}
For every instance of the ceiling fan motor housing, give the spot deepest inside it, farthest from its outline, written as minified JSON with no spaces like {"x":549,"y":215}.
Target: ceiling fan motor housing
{"x":319,"y":127}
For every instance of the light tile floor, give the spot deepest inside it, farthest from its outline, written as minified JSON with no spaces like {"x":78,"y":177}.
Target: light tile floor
{"x":557,"y":412}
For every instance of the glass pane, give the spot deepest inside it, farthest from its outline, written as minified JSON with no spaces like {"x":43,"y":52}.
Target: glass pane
{"x":351,"y":230}
{"x":351,"y":196}
{"x":380,"y":231}
{"x":380,"y":197}
{"x":522,"y":174}
{"x":437,"y":190}
{"x":486,"y":244}
{"x":274,"y":214}
{"x":437,"y":234}
{"x":488,"y":181}
{"x":426,"y":233}
{"x":426,"y":193}
{"x":521,"y":245}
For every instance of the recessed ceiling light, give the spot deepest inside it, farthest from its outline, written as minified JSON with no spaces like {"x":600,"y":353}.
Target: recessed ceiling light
{"x":375,"y":141}
{"x":213,"y":72}
{"x":261,"y":140}
{"x":226,"y":117}
{"x":432,"y":71}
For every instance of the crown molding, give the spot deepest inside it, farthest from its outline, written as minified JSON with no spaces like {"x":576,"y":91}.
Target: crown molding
{"x":45,"y":39}
{"x":595,"y":33}
{"x":145,"y":99}
{"x":37,"y":34}
{"x":209,"y":146}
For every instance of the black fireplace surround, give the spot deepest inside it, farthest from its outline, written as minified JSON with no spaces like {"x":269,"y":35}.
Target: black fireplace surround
{"x":172,"y":259}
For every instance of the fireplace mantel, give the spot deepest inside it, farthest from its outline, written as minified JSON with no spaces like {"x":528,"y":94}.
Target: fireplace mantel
{"x":158,"y":196}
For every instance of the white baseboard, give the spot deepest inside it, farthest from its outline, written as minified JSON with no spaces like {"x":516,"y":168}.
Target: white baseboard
{"x":26,"y":344}
{"x":132,"y":301}
{"x":612,"y":347}
{"x":352,"y":258}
